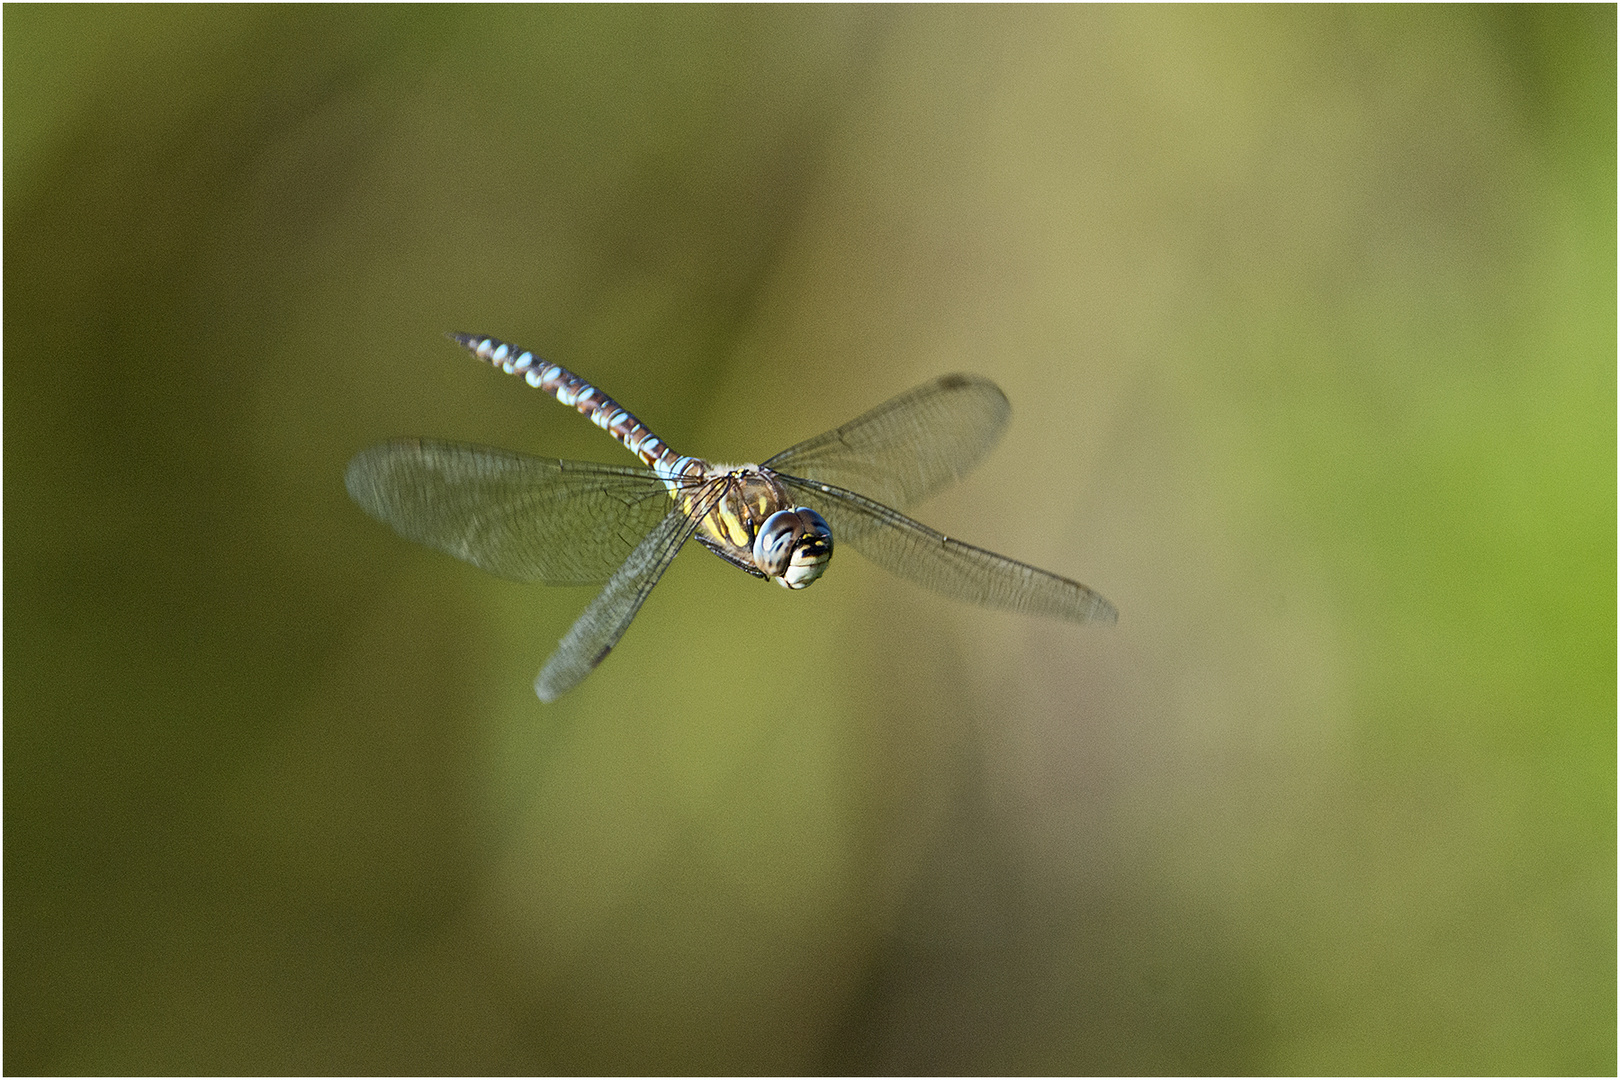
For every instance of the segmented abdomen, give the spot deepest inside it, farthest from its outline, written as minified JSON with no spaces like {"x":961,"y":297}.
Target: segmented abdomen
{"x":570,"y":389}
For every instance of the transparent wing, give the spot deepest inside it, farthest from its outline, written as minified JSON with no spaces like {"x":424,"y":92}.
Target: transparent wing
{"x":911,"y":550}
{"x":595,"y":632}
{"x":910,"y":447}
{"x":522,"y":517}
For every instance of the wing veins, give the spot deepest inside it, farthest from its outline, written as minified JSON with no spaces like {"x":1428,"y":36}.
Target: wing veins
{"x":924,"y":556}
{"x":909,"y":447}
{"x":599,"y":628}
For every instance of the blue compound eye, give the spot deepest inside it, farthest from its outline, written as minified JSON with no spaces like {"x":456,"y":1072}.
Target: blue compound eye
{"x":793,"y":547}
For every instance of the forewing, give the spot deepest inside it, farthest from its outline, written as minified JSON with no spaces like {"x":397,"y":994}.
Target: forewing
{"x":595,"y":632}
{"x":911,"y":550}
{"x":909,"y":447}
{"x":522,"y":517}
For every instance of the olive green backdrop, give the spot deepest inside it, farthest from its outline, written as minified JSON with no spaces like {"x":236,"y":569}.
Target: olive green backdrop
{"x":1308,"y":322}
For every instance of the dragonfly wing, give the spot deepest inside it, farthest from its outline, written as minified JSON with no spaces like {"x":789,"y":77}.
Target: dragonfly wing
{"x":595,"y":632}
{"x":910,"y":447}
{"x":522,"y":517}
{"x":911,"y":550}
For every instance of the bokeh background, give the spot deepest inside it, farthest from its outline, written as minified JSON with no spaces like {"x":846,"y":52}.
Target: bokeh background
{"x":1308,"y":322}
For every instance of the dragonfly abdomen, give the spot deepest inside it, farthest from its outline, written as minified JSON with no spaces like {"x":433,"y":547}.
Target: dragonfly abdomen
{"x":574,"y":391}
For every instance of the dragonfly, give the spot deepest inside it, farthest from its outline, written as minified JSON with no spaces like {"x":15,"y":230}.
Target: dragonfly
{"x":580,"y":523}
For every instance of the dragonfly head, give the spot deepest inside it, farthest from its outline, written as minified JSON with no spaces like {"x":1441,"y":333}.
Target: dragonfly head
{"x":793,"y":547}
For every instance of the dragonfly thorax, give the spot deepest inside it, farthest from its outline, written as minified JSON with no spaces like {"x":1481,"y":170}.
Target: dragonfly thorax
{"x":751,"y":522}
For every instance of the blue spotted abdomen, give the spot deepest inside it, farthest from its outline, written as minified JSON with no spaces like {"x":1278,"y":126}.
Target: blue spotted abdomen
{"x":572,"y":390}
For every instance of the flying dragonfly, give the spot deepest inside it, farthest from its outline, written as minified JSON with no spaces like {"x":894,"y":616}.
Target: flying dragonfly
{"x":581,"y":523}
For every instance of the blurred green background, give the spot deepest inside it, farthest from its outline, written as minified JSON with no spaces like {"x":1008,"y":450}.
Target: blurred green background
{"x":1308,"y":322}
